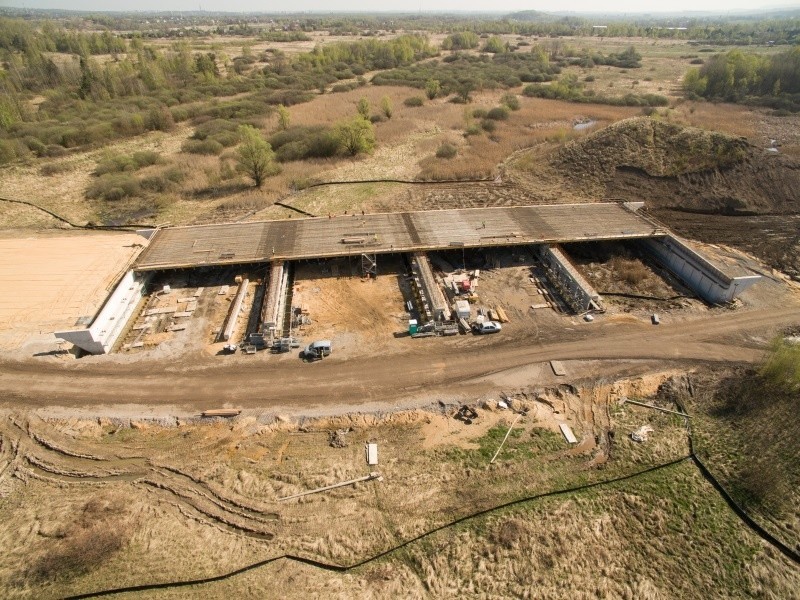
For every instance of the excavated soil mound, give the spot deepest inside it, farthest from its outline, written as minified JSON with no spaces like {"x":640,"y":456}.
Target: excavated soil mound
{"x":670,"y":166}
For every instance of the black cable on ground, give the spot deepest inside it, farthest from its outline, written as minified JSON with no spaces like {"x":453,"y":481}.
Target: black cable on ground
{"x":297,"y":210}
{"x":788,"y":552}
{"x":345,"y":568}
{"x":411,"y":181}
{"x":765,"y":535}
{"x":643,"y":297}
{"x":75,"y":225}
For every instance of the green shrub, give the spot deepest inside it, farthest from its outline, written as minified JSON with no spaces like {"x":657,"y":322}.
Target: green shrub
{"x":54,"y":151}
{"x":36,"y":146}
{"x":180,"y":114}
{"x":499,"y":113}
{"x":55,"y":168}
{"x":159,"y":119}
{"x":446,"y":151}
{"x":488,"y":125}
{"x":113,"y":186}
{"x":226,"y":138}
{"x":209,"y":147}
{"x":479,"y":113}
{"x":414,"y":101}
{"x":299,"y":143}
{"x":213,"y":127}
{"x":134,"y":162}
{"x":165,"y":181}
{"x":344,"y":87}
{"x":288,"y":97}
{"x":128,"y":124}
{"x":473,"y":129}
{"x":510,"y":101}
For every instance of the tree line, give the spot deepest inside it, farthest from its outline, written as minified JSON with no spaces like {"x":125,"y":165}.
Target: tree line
{"x":737,"y":76}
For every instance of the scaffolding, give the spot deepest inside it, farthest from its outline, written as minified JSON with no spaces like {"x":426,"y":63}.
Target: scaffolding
{"x":369,"y":265}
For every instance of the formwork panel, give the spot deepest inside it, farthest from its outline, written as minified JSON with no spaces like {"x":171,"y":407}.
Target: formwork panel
{"x":346,"y":235}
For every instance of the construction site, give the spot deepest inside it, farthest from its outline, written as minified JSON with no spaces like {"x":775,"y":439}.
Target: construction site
{"x":365,"y":282}
{"x":200,"y":446}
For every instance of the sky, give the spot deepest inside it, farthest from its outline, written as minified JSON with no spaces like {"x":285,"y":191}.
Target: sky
{"x":272,"y":6}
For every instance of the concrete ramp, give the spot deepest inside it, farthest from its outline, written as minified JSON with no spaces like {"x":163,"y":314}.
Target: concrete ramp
{"x":109,"y":323}
{"x":703,"y":277}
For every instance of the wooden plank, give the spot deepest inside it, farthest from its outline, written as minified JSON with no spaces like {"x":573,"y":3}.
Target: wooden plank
{"x":558,"y":368}
{"x":372,"y":454}
{"x":221,"y":412}
{"x":161,"y":311}
{"x":501,"y":314}
{"x":568,"y":435}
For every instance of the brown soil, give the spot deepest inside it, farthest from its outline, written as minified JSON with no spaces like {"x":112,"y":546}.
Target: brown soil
{"x":683,"y":168}
{"x":357,"y":314}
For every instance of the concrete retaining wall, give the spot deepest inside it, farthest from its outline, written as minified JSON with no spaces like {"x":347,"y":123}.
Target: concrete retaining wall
{"x":575,"y":290}
{"x":434,"y":304}
{"x":236,"y":308}
{"x":272,"y":315}
{"x":696,"y":271}
{"x":109,"y":323}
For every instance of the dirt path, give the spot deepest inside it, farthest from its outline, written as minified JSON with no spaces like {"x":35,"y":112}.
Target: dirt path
{"x":437,"y":368}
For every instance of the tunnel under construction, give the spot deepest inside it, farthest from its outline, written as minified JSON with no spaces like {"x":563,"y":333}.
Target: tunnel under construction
{"x":364,"y":238}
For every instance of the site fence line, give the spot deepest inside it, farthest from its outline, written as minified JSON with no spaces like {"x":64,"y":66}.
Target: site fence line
{"x":345,"y":568}
{"x":360,"y":181}
{"x":765,"y":535}
{"x":75,"y":225}
{"x":411,"y":181}
{"x":757,"y":528}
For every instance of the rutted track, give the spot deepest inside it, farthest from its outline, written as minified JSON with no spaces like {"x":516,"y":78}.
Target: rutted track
{"x":27,"y":451}
{"x":202,"y":382}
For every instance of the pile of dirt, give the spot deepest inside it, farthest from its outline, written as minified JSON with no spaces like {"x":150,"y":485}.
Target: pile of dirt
{"x":684,"y":168}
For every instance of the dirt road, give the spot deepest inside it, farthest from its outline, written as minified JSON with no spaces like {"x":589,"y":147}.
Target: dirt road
{"x":439,"y":367}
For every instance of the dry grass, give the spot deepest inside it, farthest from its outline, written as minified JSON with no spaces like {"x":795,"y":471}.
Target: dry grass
{"x":100,"y":530}
{"x":738,"y":414}
{"x":734,"y":119}
{"x":631,"y":270}
{"x":435,"y":469}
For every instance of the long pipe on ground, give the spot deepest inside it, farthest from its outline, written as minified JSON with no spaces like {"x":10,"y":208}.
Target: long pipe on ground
{"x":369,"y":477}
{"x":653,"y":406}
{"x":236,"y":308}
{"x":505,"y":438}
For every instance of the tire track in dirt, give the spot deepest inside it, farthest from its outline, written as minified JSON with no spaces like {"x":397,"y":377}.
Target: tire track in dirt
{"x":203,"y":382}
{"x":36,"y":456}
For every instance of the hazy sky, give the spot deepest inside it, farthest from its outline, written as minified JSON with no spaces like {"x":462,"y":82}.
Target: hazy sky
{"x":639,"y":6}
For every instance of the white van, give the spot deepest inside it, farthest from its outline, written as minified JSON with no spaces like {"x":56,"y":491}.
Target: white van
{"x":317,"y":350}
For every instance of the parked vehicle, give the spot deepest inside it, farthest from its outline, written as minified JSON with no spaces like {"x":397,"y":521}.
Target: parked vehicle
{"x":486,"y":327}
{"x":317,"y":350}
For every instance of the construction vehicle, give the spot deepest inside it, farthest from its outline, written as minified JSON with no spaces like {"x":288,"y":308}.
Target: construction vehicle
{"x":317,"y":350}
